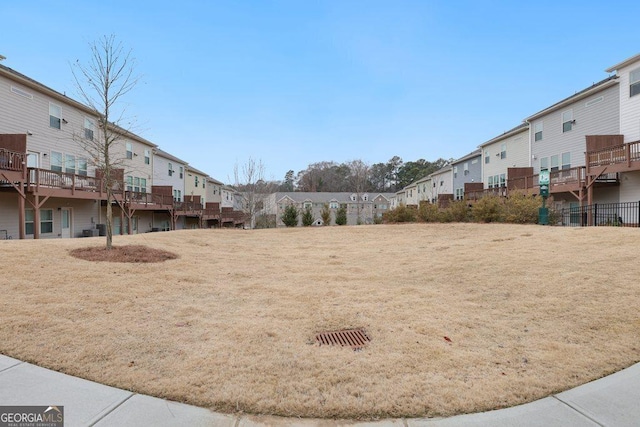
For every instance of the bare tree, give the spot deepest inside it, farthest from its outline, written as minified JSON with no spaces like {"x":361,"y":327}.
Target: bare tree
{"x":102,"y":82}
{"x":253,"y":189}
{"x":359,"y":182}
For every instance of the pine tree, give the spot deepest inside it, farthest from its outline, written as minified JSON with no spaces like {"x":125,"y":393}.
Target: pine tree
{"x":290,"y":216}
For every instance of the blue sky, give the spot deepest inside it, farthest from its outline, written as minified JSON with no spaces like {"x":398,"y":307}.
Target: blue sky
{"x":291,"y":83}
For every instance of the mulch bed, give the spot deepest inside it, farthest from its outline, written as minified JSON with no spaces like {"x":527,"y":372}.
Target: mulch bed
{"x":129,"y":253}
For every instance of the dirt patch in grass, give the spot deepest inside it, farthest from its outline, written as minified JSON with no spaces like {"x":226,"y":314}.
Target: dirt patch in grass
{"x":462,"y":317}
{"x":129,"y":253}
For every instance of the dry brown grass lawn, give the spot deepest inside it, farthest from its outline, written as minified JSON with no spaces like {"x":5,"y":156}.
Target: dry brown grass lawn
{"x":229,"y":325}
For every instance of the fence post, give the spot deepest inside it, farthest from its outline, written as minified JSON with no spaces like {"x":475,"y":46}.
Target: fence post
{"x":638,"y":221}
{"x":595,"y":214}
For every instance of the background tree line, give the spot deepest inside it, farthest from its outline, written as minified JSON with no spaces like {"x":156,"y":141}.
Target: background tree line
{"x":356,"y":175}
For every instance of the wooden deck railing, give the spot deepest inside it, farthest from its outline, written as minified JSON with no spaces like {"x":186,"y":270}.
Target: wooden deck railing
{"x":51,"y":179}
{"x":148,"y":199}
{"x":12,"y":160}
{"x":575,"y":175}
{"x":476,"y":195}
{"x":625,"y":153}
{"x":522,"y":182}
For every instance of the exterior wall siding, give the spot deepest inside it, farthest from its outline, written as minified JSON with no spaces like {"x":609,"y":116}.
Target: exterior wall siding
{"x":601,"y":118}
{"x":161,"y":173}
{"x":22,"y":114}
{"x":629,"y":106}
{"x":630,"y":186}
{"x":517,"y":147}
{"x":474,"y":172}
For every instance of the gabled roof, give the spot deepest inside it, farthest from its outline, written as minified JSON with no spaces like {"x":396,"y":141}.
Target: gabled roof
{"x":516,"y":130}
{"x":595,"y":88}
{"x":474,"y":153}
{"x":166,"y":155}
{"x":628,"y":61}
{"x":440,"y":171}
{"x":215,"y":181}
{"x":199,"y":172}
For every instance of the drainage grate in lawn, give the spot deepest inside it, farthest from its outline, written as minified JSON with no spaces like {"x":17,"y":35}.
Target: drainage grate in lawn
{"x":354,"y":338}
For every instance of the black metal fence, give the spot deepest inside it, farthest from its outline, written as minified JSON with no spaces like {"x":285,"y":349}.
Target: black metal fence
{"x":602,"y":214}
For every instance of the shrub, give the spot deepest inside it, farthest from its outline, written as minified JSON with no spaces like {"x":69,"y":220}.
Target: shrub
{"x":488,"y":209}
{"x":290,"y":216}
{"x":341,"y":215}
{"x":307,"y":217}
{"x":458,"y":211}
{"x":429,"y":212}
{"x":402,"y":213}
{"x":520,"y":208}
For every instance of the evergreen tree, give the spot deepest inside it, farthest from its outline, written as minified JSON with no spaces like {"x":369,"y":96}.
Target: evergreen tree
{"x":341,"y":215}
{"x":290,"y":216}
{"x":307,"y":217}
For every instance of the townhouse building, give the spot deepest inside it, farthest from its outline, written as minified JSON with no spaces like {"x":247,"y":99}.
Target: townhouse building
{"x":506,"y":159}
{"x":442,"y":185}
{"x":51,"y":187}
{"x":467,"y":174}
{"x":361,"y":208}
{"x":557,"y":141}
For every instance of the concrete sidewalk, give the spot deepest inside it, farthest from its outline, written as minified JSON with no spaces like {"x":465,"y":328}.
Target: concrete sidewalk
{"x":610,"y":401}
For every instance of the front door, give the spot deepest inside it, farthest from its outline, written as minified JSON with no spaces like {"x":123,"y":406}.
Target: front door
{"x":33,"y":161}
{"x":65,"y":223}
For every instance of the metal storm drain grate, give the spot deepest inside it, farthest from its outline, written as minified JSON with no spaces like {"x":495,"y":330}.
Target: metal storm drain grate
{"x":354,"y":338}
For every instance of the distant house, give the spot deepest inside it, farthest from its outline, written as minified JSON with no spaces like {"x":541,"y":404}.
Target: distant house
{"x":361,"y":208}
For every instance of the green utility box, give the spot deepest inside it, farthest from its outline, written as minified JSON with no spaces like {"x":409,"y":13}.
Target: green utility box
{"x":543,"y":216}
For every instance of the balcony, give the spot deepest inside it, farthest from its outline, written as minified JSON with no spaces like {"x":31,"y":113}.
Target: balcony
{"x":61,"y":184}
{"x":614,"y":159}
{"x":147,"y":201}
{"x":12,"y":164}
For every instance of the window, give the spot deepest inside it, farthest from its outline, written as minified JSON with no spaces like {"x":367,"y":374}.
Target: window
{"x":503,"y":151}
{"x":459,"y":193}
{"x":503,"y":180}
{"x":177,"y":195}
{"x":544,"y":163}
{"x":170,"y":169}
{"x":82,"y":166}
{"x":28,"y":221}
{"x":143,"y":185}
{"x":55,"y":114}
{"x":129,"y":150}
{"x":555,"y":163}
{"x":365,"y":197}
{"x":46,"y":221}
{"x":496,"y":181}
{"x":308,"y":205}
{"x":441,"y":183}
{"x":490,"y":182}
{"x":129,"y":183}
{"x":566,"y":160}
{"x":455,"y":171}
{"x":181,"y":172}
{"x":333,"y":205}
{"x":70,"y":163}
{"x":136,"y":184}
{"x":567,"y":121}
{"x":196,"y":181}
{"x":56,"y":161}
{"x":465,"y":166}
{"x":487,"y":157}
{"x":89,"y":127}
{"x":538,"y":127}
{"x":634,"y":82}
{"x":147,"y":157}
